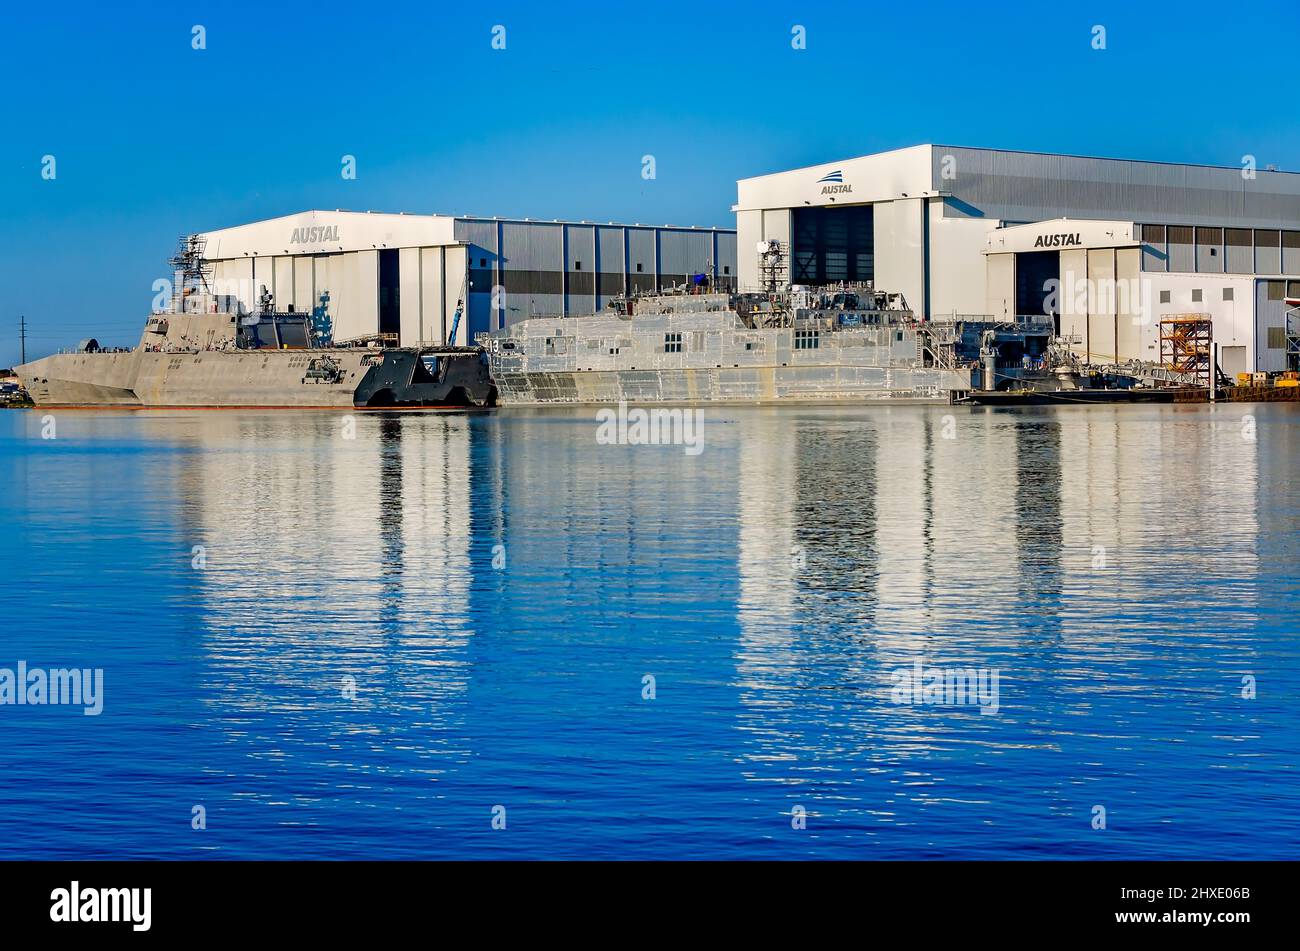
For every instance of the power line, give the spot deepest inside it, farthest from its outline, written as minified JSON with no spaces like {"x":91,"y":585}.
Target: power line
{"x":22,"y":335}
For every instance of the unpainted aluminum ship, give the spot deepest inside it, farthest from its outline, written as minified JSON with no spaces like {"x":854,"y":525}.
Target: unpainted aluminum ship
{"x":846,"y":343}
{"x":206,"y":352}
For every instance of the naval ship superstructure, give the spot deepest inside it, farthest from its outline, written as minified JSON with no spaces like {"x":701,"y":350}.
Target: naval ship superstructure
{"x":838,"y":343}
{"x":206,"y":351}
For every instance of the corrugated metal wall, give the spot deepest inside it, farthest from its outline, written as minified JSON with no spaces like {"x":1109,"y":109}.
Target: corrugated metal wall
{"x":1024,"y":186}
{"x":728,"y":271}
{"x":1207,"y":250}
{"x":612,"y":265}
{"x":580,"y":267}
{"x":642,"y":256}
{"x":540,"y":268}
{"x":573,"y":268}
{"x":682,"y":254}
{"x":1270,"y":314}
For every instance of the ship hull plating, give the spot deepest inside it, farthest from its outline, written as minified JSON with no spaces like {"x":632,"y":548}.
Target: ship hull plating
{"x":697,"y":349}
{"x":324,"y":378}
{"x":758,"y":385}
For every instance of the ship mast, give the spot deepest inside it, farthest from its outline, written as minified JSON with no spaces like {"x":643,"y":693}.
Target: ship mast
{"x":193,"y":272}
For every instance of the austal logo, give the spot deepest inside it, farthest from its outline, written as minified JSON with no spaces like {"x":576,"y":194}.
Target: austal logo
{"x":315,"y":235}
{"x":833,"y":183}
{"x":1057,"y":240}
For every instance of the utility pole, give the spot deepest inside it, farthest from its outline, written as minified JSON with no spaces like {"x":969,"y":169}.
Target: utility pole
{"x":22,"y":336}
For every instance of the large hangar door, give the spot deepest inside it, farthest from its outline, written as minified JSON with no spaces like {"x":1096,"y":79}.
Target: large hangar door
{"x":1038,"y":284}
{"x":832,"y":244}
{"x":390,"y":291}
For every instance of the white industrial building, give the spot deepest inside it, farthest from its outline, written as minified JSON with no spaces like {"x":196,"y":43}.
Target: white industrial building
{"x":1110,"y":246}
{"x":365,"y":274}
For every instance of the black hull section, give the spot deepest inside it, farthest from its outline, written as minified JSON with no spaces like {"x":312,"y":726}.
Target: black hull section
{"x":1069,"y":397}
{"x":438,"y":377}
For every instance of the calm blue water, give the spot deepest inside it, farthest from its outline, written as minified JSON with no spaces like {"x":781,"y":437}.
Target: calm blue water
{"x":1122,"y":568}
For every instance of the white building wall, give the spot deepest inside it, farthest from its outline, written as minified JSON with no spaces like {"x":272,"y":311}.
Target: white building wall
{"x":303,"y":285}
{"x":752,"y":227}
{"x":900,"y":256}
{"x":409,"y":290}
{"x":868,"y":178}
{"x":432,"y":314}
{"x":1234,"y":320}
{"x":957,"y":273}
{"x":456,"y":268}
{"x":282,"y":285}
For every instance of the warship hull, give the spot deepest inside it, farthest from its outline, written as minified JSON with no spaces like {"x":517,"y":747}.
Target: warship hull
{"x":705,"y":349}
{"x":756,"y":385}
{"x":318,"y":378}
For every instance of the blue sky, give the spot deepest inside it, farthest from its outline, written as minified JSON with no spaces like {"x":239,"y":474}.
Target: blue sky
{"x":153,"y":138}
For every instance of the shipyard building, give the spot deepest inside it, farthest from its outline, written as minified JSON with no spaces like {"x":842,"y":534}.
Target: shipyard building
{"x":400,"y":277}
{"x":1110,"y":247}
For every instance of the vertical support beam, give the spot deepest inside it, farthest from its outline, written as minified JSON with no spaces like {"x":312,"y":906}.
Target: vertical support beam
{"x":658,"y":281}
{"x":500,"y":317}
{"x":442,"y":288}
{"x":596,"y":265}
{"x":564,"y":271}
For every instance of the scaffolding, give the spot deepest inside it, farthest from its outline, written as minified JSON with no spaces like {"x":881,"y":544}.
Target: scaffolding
{"x":194,"y":274}
{"x":1292,"y":329}
{"x":1187,"y":348}
{"x":773,"y":265}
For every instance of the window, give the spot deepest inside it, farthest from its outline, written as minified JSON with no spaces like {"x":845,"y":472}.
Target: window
{"x":807,"y":339}
{"x":1164,"y":297}
{"x":1196,"y":295}
{"x":638,"y":267}
{"x":1275,"y":290}
{"x":726,"y":269}
{"x":482,"y":262}
{"x":1227,"y":293}
{"x":577,"y":265}
{"x":1277,"y":338}
{"x":672,"y":342}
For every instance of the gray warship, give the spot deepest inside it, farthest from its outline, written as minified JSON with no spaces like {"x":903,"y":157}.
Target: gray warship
{"x":207,"y":352}
{"x":837,"y":343}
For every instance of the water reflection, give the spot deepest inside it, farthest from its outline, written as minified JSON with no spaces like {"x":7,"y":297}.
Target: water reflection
{"x":336,"y":594}
{"x":394,"y":631}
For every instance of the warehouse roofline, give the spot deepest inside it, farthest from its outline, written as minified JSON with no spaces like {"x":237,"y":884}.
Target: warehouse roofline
{"x":981,"y":148}
{"x":362,"y":215}
{"x":320,"y":231}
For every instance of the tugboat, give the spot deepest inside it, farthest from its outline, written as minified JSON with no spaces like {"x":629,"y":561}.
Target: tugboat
{"x":206,"y":351}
